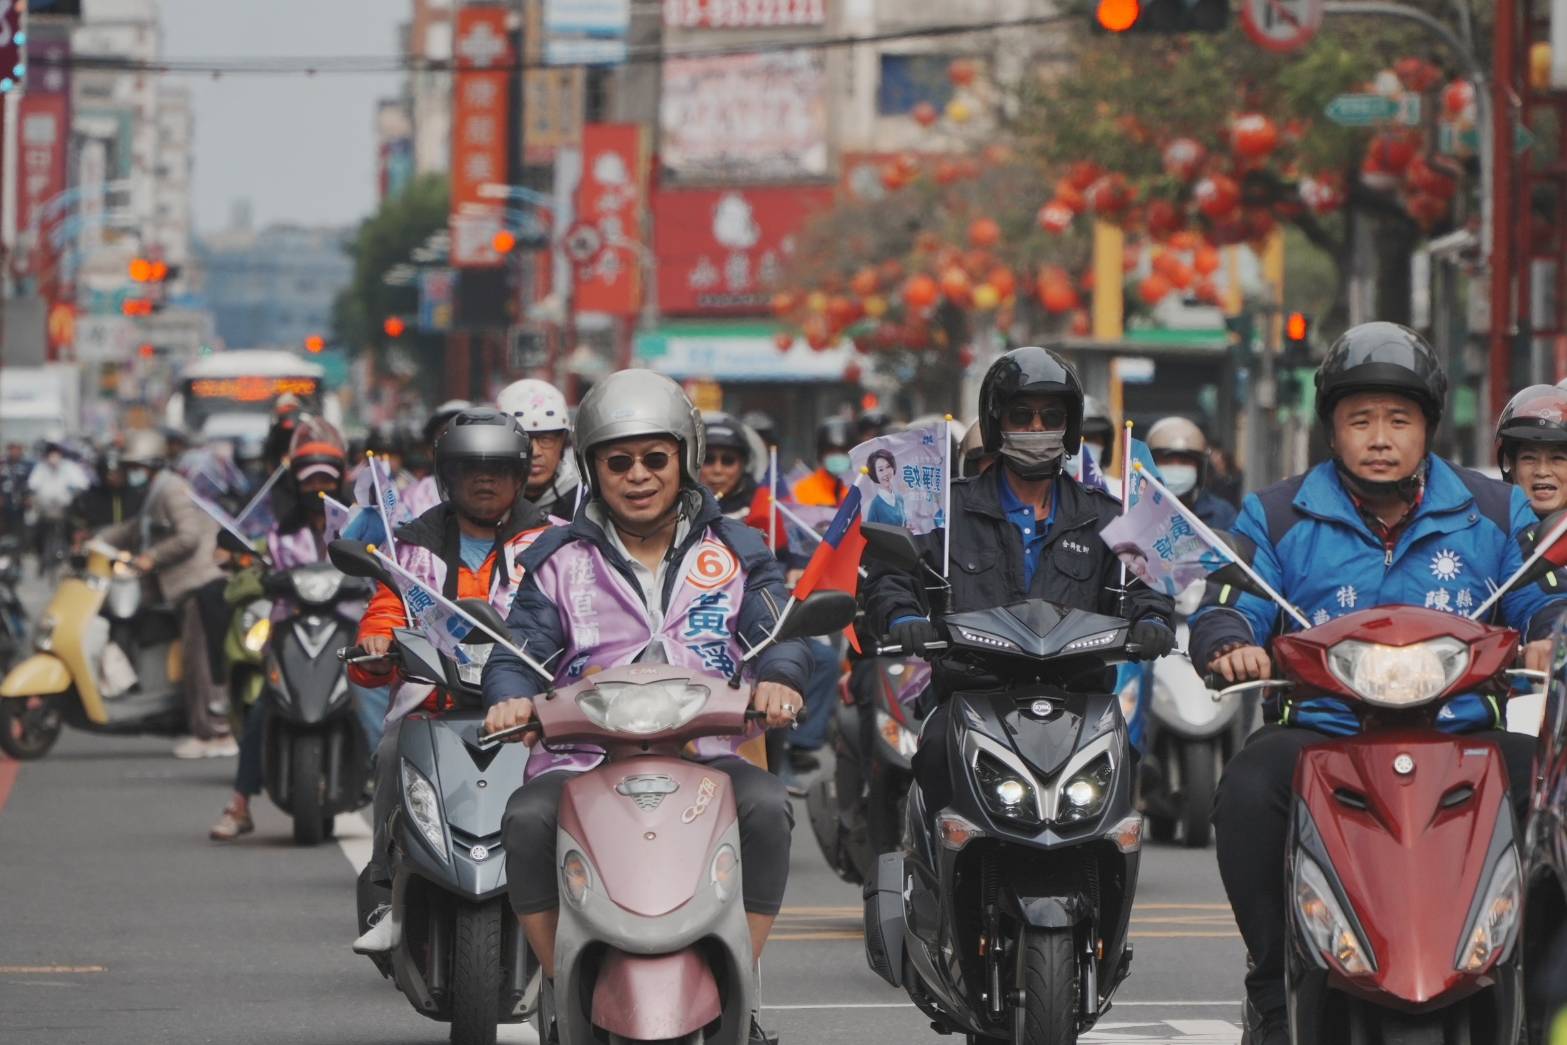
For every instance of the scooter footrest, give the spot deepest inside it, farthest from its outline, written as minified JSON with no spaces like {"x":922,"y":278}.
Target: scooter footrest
{"x":884,"y":919}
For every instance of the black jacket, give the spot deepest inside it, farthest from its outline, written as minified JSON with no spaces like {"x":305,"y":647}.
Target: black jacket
{"x":1076,"y":569}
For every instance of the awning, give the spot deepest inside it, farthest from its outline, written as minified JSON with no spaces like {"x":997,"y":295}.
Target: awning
{"x":737,"y":352}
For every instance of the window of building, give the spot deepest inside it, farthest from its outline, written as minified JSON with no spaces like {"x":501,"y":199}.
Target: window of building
{"x":909,"y":79}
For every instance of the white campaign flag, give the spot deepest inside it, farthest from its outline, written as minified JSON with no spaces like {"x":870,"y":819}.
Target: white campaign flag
{"x":1159,"y":541}
{"x":902,"y":478}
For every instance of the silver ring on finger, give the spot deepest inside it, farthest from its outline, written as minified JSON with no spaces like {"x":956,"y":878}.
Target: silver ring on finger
{"x":788,"y":709}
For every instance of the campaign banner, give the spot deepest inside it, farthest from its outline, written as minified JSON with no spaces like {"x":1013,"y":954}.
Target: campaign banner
{"x":757,"y":117}
{"x":903,"y":478}
{"x":1162,"y":544}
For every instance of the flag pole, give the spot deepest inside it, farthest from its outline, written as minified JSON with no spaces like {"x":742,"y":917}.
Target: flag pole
{"x":380,"y":504}
{"x":1540,"y":548}
{"x":221,"y":518}
{"x":946,"y":507}
{"x":1219,"y":546}
{"x":1126,"y":484}
{"x":266,"y":487}
{"x":772,"y":499}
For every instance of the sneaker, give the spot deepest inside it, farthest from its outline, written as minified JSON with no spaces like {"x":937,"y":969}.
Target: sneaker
{"x":1265,"y":1028}
{"x":383,"y":935}
{"x":190,"y":747}
{"x":221,"y":747}
{"x":231,"y":825}
{"x":760,"y":1036}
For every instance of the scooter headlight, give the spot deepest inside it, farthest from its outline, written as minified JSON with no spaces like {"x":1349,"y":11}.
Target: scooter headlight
{"x":725,"y":872}
{"x":901,"y":740}
{"x":1494,"y":922}
{"x":575,"y":877}
{"x":1323,"y":920}
{"x":256,"y":636}
{"x":316,"y":585}
{"x":626,"y":707}
{"x":424,"y":808}
{"x":1399,"y":676}
{"x":1005,"y":792}
{"x":1083,"y":796}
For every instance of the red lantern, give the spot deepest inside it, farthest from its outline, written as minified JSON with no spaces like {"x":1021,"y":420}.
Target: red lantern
{"x":1417,"y":74}
{"x":984,"y":232}
{"x":783,"y":304}
{"x":1081,"y":325}
{"x":1003,"y":280}
{"x":908,"y":165}
{"x":1458,"y":98}
{"x":1375,"y":175}
{"x":955,"y":285}
{"x":1217,"y":196}
{"x":1207,"y":292}
{"x":864,"y":282}
{"x":852,"y":374}
{"x":1259,"y":225}
{"x":1183,"y":158}
{"x":1163,"y":219}
{"x":1206,"y":260}
{"x":948,"y":173}
{"x":1180,"y":275}
{"x":1055,"y":217}
{"x":1166,"y":262}
{"x":920,"y":292}
{"x":1395,"y":150}
{"x":1153,"y":289}
{"x":1058,"y":296}
{"x":1253,"y":136}
{"x":890,"y":272}
{"x":783,"y":340}
{"x":925,"y":114}
{"x":1070,"y":196}
{"x":1108,"y":196}
{"x":892,"y":178}
{"x":978,"y":262}
{"x":817,"y":336}
{"x":1081,"y":175}
{"x":842,"y":311}
{"x":961,"y":72}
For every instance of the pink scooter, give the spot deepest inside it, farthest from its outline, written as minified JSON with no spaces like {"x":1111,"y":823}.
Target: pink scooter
{"x":653,"y":944}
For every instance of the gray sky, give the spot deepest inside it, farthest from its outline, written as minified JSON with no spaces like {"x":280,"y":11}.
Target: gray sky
{"x":301,"y":149}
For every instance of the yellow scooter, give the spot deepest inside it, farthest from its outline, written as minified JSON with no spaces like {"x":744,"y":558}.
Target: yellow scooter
{"x":60,"y":683}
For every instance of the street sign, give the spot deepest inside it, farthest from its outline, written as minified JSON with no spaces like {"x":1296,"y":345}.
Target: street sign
{"x":1281,"y":25}
{"x":1368,"y":110}
{"x":1466,"y":142}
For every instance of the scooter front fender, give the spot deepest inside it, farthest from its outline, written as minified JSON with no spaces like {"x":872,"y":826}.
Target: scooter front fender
{"x":41,"y":675}
{"x":1048,"y":912}
{"x":655,"y":997}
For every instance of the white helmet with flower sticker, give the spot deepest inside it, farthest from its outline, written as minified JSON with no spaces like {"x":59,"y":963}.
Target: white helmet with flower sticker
{"x":539,"y":405}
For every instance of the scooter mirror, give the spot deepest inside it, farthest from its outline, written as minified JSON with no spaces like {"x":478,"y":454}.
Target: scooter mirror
{"x":357,"y":560}
{"x":1244,"y":549}
{"x":820,"y":613}
{"x":485,"y":614}
{"x":891,"y":545}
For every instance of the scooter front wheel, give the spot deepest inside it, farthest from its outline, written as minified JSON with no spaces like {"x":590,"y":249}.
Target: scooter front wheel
{"x":476,"y":973}
{"x":29,"y":727}
{"x":1047,"y":1013}
{"x":307,"y":789}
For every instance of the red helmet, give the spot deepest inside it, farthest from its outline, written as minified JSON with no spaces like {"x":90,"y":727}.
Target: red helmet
{"x":1538,"y":414}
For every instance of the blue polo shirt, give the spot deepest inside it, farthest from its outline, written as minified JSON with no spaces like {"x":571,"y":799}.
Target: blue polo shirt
{"x":1033,"y":531}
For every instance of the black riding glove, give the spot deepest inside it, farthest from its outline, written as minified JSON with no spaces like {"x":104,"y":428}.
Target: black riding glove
{"x":1153,"y":638}
{"x":915,"y":635}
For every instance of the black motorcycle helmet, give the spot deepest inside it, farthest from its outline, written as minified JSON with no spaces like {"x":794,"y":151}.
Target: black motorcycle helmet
{"x":833,"y":434}
{"x":723,"y":431}
{"x":1381,"y":357}
{"x":1538,"y":414}
{"x":480,"y":435}
{"x":1031,"y":371}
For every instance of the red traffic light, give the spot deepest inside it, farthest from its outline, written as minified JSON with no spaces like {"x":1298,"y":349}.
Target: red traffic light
{"x":394,"y":326}
{"x":136,"y":307}
{"x":505,"y":241}
{"x":314,"y":343}
{"x":146,"y":351}
{"x":1117,"y":16}
{"x":1296,"y":326}
{"x":141,"y":270}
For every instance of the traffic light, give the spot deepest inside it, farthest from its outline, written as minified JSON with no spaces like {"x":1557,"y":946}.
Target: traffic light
{"x":505,"y":241}
{"x":394,"y":326}
{"x":1297,"y":339}
{"x":314,"y":344}
{"x":146,"y":270}
{"x":139,"y":306}
{"x":1161,"y":16}
{"x":146,"y":351}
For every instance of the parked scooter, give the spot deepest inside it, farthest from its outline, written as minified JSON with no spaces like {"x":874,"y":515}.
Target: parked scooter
{"x":1190,"y":734}
{"x":461,"y":957}
{"x":1007,"y":916}
{"x":60,"y":683}
{"x":857,"y":813}
{"x":315,"y":757}
{"x":653,"y":943}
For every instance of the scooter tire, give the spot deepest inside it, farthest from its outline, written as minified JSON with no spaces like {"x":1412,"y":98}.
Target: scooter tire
{"x":476,"y":973}
{"x":27,"y":734}
{"x":1199,"y":780}
{"x":307,"y":789}
{"x":1048,"y":1013}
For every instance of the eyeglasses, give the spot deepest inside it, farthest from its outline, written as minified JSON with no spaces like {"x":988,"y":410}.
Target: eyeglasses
{"x":1052,"y":417}
{"x":726,"y":458}
{"x":656,"y":461}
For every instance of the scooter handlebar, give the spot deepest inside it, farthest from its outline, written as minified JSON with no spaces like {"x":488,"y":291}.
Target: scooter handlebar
{"x":896,"y":649}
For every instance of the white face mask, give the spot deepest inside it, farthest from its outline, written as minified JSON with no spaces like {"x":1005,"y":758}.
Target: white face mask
{"x":1181,"y":479}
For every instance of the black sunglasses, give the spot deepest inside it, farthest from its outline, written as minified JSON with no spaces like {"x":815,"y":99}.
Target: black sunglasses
{"x":1052,"y":417}
{"x":483,"y":466}
{"x":656,"y":461}
{"x":726,"y":458}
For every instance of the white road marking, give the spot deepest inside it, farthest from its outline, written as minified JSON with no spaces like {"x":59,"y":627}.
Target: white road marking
{"x":353,"y":838}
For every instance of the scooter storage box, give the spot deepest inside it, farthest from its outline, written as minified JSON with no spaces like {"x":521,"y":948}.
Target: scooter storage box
{"x":884,"y":919}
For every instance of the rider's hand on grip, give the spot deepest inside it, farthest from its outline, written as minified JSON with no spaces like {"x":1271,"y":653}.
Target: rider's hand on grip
{"x":375,"y":648}
{"x":510,"y":714}
{"x":780,"y":705}
{"x":1153,"y":639}
{"x":1242,"y":664}
{"x":914,"y":635}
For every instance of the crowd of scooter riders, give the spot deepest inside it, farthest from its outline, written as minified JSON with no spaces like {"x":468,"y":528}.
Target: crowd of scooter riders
{"x":632,"y":529}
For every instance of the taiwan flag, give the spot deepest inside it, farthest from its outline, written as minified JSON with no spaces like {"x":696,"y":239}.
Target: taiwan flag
{"x":835,"y":565}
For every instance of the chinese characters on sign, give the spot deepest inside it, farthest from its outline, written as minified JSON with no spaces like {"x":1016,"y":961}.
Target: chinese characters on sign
{"x":610,"y":202}
{"x":752,"y":117}
{"x":742,"y":14}
{"x":481,"y":123}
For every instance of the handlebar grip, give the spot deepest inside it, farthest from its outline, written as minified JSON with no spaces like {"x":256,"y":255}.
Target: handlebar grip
{"x":896,"y":649}
{"x":1215,"y":681}
{"x":349,"y":654}
{"x":515,"y":731}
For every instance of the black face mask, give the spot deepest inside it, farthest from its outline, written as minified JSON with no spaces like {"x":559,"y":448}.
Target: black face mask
{"x":1406,"y":489}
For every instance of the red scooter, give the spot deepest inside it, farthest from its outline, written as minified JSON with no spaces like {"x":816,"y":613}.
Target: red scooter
{"x":1402,"y":871}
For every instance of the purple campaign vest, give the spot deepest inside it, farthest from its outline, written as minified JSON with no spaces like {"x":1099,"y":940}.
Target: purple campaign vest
{"x":607,"y":625}
{"x":299,"y":548}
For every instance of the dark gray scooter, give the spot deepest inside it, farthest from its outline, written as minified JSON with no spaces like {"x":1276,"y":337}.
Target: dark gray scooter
{"x":461,"y":957}
{"x":1007,"y":916}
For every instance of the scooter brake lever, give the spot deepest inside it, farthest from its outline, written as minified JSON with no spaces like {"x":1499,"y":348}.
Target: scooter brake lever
{"x":1247,"y":687}
{"x":506,"y":734}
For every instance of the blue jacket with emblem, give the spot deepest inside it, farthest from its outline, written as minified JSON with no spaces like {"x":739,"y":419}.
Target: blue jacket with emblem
{"x":1467,"y":536}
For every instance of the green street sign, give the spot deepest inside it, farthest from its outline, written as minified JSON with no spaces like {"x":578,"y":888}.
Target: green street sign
{"x":1368,"y":110}
{"x":1467,"y":141}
